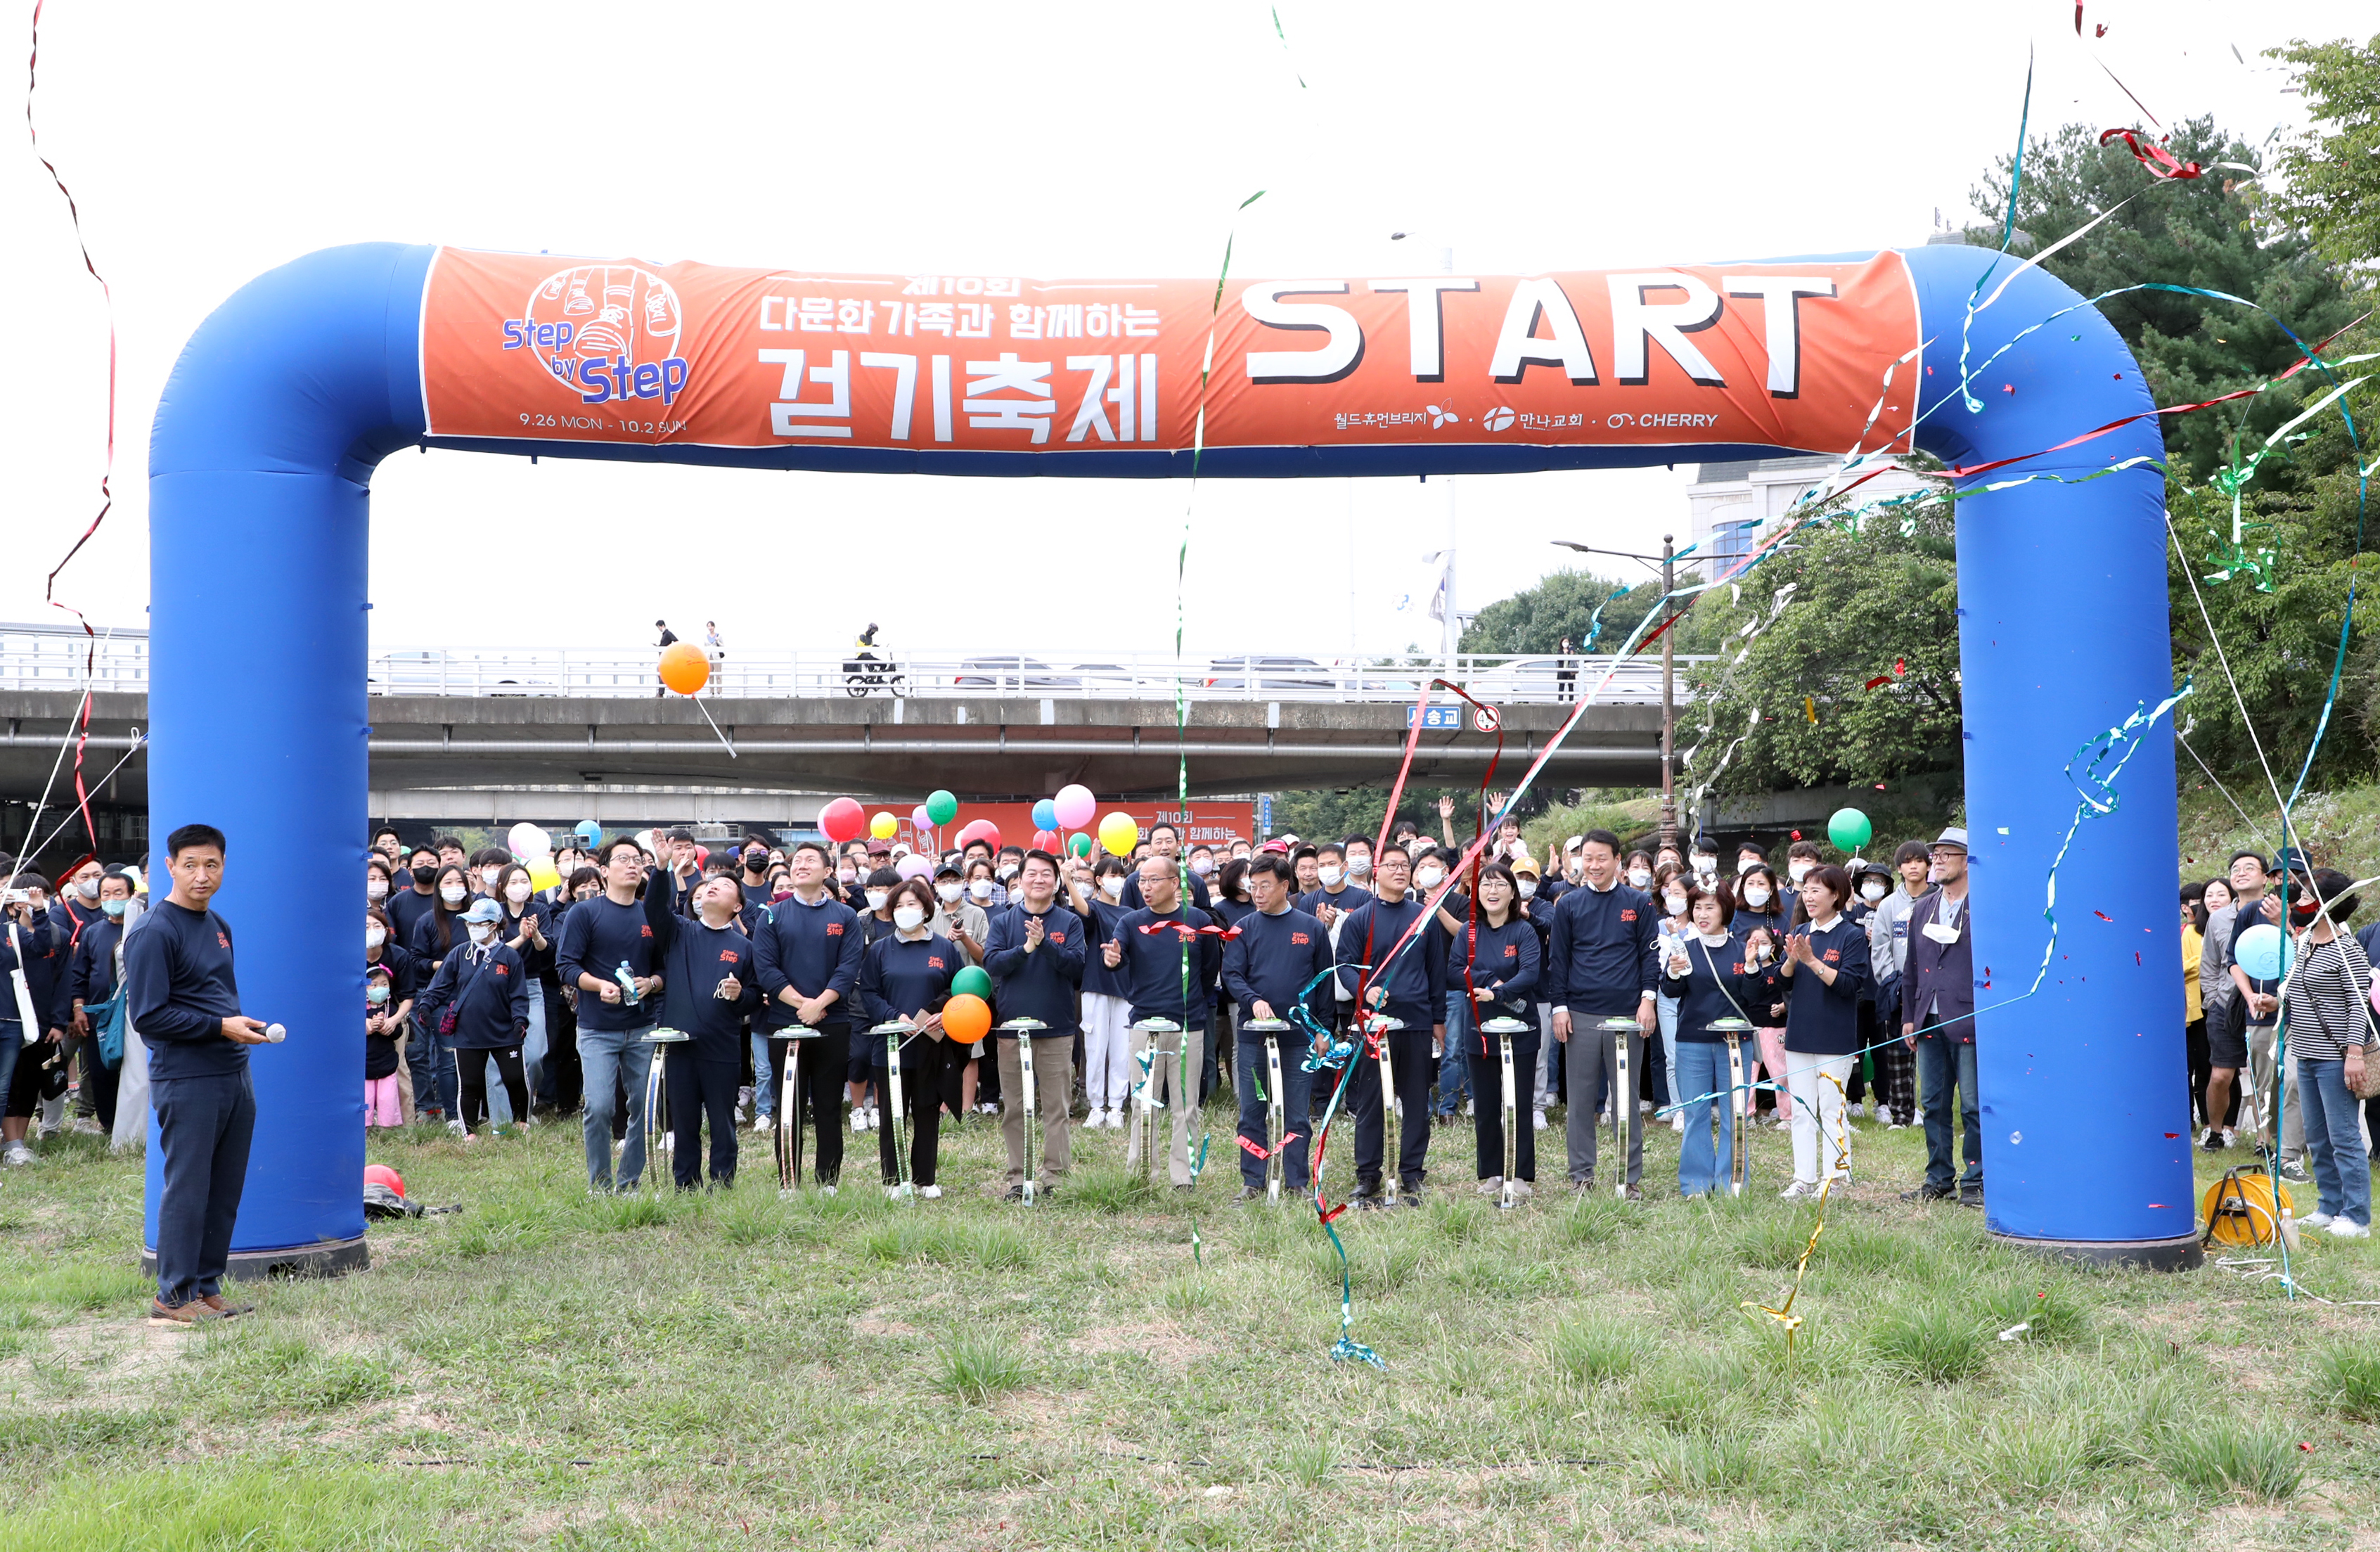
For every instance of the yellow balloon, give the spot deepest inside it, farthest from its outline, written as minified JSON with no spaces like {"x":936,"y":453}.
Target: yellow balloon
{"x":1120,"y":833}
{"x":883,"y":826}
{"x":542,"y":874}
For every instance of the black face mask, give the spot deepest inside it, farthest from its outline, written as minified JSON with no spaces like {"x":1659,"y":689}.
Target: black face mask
{"x":757,"y":862}
{"x":425,"y":877}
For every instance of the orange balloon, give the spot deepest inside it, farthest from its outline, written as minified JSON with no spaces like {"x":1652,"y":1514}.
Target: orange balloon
{"x":967,"y":1018}
{"x":683,"y":668}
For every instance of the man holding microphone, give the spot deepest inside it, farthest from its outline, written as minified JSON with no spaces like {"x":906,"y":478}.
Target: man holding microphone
{"x":185,"y":1002}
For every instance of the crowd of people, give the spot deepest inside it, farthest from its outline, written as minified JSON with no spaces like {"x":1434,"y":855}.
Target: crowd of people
{"x":1722,"y":993}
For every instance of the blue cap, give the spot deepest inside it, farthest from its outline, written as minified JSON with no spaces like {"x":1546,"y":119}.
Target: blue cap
{"x":483,"y":910}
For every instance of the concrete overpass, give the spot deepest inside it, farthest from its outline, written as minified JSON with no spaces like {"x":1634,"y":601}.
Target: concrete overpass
{"x":483,"y":736}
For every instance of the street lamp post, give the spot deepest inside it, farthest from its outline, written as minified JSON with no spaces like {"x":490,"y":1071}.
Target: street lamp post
{"x":1665,"y":563}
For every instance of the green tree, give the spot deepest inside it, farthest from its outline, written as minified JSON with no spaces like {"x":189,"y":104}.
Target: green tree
{"x":1870,"y":598}
{"x":2202,"y":232}
{"x":1563,"y":604}
{"x":2331,"y":173}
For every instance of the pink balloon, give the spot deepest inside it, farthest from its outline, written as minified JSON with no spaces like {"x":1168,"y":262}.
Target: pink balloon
{"x":920,"y":821}
{"x":1076,"y":806}
{"x":842,"y":821}
{"x":914,"y":867}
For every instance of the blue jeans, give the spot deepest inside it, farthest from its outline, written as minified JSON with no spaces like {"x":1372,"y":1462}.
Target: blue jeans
{"x":1665,"y":1010}
{"x":12,"y":1041}
{"x":1701,"y":1068}
{"x":436,"y":1084}
{"x":1296,"y":1105}
{"x":1942,"y":1062}
{"x":764,"y":1090}
{"x":607,"y":1055}
{"x":1454,"y":1069}
{"x":2342,"y":1175}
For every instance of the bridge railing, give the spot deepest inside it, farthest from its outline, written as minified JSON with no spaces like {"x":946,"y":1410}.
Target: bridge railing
{"x":47,"y":660}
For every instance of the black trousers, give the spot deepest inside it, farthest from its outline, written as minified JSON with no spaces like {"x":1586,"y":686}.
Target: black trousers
{"x":1487,"y":1108}
{"x":564,"y":1076}
{"x":826,"y":1057}
{"x":475,"y":1082}
{"x":2202,"y":1070}
{"x":1409,"y":1053}
{"x":699,"y":1088}
{"x":204,"y":1126}
{"x":921,"y":1095}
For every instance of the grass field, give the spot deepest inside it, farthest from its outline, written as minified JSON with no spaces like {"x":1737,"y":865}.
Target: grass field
{"x":728,"y":1370}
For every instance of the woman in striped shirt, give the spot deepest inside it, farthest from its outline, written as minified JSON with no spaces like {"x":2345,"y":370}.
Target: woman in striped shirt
{"x":2329,"y":1033}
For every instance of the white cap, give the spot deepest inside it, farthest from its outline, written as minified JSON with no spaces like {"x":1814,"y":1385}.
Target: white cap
{"x":1575,"y":843}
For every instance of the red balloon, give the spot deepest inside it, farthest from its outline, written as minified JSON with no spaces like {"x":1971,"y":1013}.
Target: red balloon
{"x":381,"y":1175}
{"x":842,"y":821}
{"x":1045,"y":841}
{"x":981,"y":829}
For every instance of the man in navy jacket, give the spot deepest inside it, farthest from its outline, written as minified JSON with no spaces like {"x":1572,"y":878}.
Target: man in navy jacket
{"x":809,"y":945}
{"x":1169,"y":954}
{"x":186,"y":1007}
{"x":1598,"y":967}
{"x":1280,"y":961}
{"x":709,"y":985}
{"x":1938,"y":1007}
{"x":603,"y":939}
{"x":1410,"y":989}
{"x":1035,"y":953}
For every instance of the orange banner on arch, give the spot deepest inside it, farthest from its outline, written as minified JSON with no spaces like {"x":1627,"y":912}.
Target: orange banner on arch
{"x":619,"y":351}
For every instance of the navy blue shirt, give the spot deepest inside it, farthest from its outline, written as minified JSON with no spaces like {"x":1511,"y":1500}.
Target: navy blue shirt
{"x":897,"y":979}
{"x":1721,"y":983}
{"x":490,"y":993}
{"x":1105,"y":918}
{"x":695,"y":959}
{"x":1599,"y":950}
{"x":1347,"y":899}
{"x":404,"y":908}
{"x":1415,"y":981}
{"x":1275,"y":959}
{"x":1045,"y":984}
{"x":93,"y":979}
{"x":598,"y":935}
{"x":1507,"y":960}
{"x":1823,"y":1019}
{"x":813,"y":948}
{"x":178,"y":968}
{"x":1155,"y":961}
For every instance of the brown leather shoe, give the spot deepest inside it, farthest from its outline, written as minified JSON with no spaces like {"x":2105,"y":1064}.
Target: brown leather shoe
{"x":230,"y":1312}
{"x":195,"y":1313}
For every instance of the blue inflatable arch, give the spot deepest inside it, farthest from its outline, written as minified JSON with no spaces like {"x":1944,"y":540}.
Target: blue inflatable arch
{"x":289,"y":395}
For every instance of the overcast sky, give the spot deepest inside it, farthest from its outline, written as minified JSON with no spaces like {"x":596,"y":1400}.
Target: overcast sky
{"x":206,"y":144}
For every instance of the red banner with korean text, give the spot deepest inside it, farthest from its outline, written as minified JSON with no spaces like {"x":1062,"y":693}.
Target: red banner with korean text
{"x":526,"y":347}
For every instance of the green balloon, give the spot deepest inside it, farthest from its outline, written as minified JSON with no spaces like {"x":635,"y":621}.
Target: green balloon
{"x":1079,"y":843}
{"x":941,"y":807}
{"x":1849,"y":829}
{"x":972,"y":981}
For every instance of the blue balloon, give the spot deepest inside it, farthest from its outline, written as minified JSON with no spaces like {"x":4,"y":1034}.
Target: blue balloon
{"x":1045,"y":814}
{"x":2260,"y":950}
{"x":588,"y":832}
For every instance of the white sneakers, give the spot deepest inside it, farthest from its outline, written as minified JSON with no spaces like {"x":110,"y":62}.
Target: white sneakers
{"x":1796,"y":1191}
{"x":763,"y":1123}
{"x":931,"y":1192}
{"x":1492,"y":1187}
{"x":2316,"y":1220}
{"x":17,"y":1153}
{"x":2347,"y":1228}
{"x":1538,"y":1120}
{"x":858,"y":1120}
{"x":1678,"y":1121}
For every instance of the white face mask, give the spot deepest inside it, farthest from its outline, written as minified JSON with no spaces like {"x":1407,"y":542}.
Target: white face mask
{"x":375,"y":889}
{"x":1006,"y":871}
{"x":451,"y":893}
{"x":1429,"y":878}
{"x":1361,"y":867}
{"x":908,"y":918}
{"x":1745,"y":865}
{"x":1872,"y":891}
{"x":376,"y":995}
{"x":876,"y":899}
{"x":980,"y":887}
{"x":1639,"y":878}
{"x":1798,"y":869}
{"x":1676,"y":901}
{"x":482,"y":932}
{"x":518,"y":890}
{"x":1113,"y":886}
{"x":87,"y":888}
{"x":1528,"y":888}
{"x":1202,"y":866}
{"x":949,"y":892}
{"x":848,"y":875}
{"x":1329,"y":875}
{"x":374,"y":936}
{"x":1755,"y":897}
{"x":489,"y":876}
